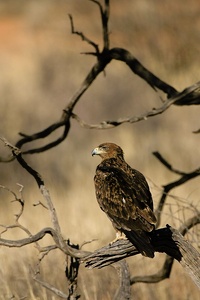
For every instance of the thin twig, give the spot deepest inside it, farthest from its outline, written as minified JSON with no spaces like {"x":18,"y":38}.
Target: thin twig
{"x":111,"y":124}
{"x":168,"y":187}
{"x":50,"y":287}
{"x":82,"y":35}
{"x":167,"y":164}
{"x":104,"y":19}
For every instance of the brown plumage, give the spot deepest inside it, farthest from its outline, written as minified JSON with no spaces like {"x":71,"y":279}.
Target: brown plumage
{"x":123,"y":194}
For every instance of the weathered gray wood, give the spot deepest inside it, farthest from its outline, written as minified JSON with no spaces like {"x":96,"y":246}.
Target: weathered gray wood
{"x":167,"y":240}
{"x":124,"y":291}
{"x":190,"y":257}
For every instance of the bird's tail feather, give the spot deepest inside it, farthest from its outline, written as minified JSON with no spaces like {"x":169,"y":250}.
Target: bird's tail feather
{"x":142,"y":241}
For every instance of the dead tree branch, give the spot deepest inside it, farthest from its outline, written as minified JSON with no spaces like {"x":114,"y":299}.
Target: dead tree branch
{"x":133,"y":119}
{"x":189,"y":96}
{"x":167,"y":164}
{"x":104,"y":18}
{"x":29,"y":240}
{"x":71,"y":272}
{"x":165,"y":243}
{"x":197,"y":131}
{"x":165,"y":271}
{"x":83,"y":37}
{"x":167,"y":240}
{"x":124,"y":291}
{"x":55,"y":232}
{"x":50,"y":288}
{"x":64,"y":122}
{"x":168,"y":187}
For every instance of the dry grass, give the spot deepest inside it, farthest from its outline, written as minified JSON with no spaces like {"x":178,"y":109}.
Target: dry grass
{"x":40,"y":70}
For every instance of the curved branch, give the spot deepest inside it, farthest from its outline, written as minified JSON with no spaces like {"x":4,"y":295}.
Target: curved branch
{"x":165,"y":271}
{"x":166,"y":240}
{"x":65,"y":121}
{"x":133,"y":119}
{"x":124,"y":290}
{"x":155,"y":111}
{"x":29,"y":240}
{"x":38,"y":236}
{"x":134,"y":64}
{"x":168,"y":187}
{"x":166,"y":164}
{"x":188,"y":224}
{"x":159,"y":276}
{"x":40,"y":182}
{"x":188,"y":97}
{"x":196,"y":131}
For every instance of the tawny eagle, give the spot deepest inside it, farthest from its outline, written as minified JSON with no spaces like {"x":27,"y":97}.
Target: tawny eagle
{"x":124,"y":195}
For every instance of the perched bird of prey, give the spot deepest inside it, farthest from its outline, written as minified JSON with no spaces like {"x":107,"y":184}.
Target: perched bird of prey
{"x":124,"y":195}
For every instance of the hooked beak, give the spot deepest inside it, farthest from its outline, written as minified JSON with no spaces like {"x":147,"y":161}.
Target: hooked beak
{"x":95,"y":151}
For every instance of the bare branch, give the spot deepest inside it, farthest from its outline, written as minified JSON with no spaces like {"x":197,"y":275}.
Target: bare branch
{"x":50,"y":287}
{"x":134,"y":119}
{"x":190,"y":95}
{"x":124,"y":291}
{"x":56,"y":231}
{"x":167,"y":188}
{"x":159,"y":276}
{"x":83,"y":37}
{"x":109,"y":254}
{"x":161,"y":239}
{"x":136,"y":67}
{"x":38,"y":236}
{"x":166,"y":164}
{"x":197,"y":131}
{"x":21,"y":201}
{"x":166,"y":240}
{"x":167,"y":266}
{"x":188,"y":224}
{"x":186,"y":97}
{"x":71,"y":272}
{"x":46,"y":132}
{"x":9,"y":190}
{"x":40,"y":203}
{"x":104,"y":18}
{"x":29,"y":240}
{"x":43,"y":190}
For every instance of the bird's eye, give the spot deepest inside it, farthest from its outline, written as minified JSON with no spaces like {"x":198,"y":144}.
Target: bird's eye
{"x":105,"y":148}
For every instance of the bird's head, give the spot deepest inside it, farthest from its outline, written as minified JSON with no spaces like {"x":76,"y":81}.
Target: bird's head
{"x":108,"y":150}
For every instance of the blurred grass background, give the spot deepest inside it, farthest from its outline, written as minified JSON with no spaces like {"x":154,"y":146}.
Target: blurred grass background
{"x":41,"y":68}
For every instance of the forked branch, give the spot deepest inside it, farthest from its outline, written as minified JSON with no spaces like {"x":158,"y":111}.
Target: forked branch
{"x":188,"y":96}
{"x":167,"y":240}
{"x":168,"y":187}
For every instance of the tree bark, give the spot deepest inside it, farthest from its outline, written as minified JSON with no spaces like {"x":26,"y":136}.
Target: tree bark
{"x":167,"y":240}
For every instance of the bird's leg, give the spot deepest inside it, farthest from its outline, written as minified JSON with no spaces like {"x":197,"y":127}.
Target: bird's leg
{"x":119,"y":236}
